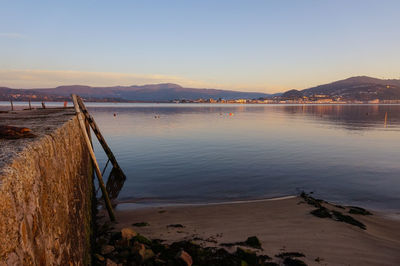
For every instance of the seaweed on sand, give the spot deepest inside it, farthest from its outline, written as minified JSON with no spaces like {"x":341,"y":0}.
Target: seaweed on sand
{"x":321,"y":212}
{"x":311,"y":200}
{"x":348,"y":219}
{"x":175,"y":225}
{"x":358,"y":210}
{"x":339,"y":206}
{"x":289,"y":260}
{"x":289,"y":254}
{"x":251,"y":241}
{"x":293,"y":262}
{"x":141,"y":224}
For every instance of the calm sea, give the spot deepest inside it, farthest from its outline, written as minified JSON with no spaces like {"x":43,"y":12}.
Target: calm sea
{"x":198,"y":153}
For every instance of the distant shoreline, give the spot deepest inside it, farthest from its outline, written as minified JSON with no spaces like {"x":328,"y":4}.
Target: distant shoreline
{"x":6,"y":102}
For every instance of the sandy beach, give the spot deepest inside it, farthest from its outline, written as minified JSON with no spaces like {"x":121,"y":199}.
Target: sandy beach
{"x":283,"y":225}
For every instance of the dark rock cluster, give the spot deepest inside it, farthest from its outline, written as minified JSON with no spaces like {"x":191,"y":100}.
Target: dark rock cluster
{"x":322,"y":211}
{"x":126,"y":247}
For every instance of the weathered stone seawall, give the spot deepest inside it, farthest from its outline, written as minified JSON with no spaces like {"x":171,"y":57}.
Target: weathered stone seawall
{"x":46,"y":197}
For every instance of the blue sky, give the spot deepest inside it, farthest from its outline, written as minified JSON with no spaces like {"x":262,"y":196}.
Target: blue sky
{"x":264,"y":46}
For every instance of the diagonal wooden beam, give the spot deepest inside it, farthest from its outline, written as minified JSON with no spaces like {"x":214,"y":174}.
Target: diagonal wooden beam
{"x":118,"y":178}
{"x":96,"y":165}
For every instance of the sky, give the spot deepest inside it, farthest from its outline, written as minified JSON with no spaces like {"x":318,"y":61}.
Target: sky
{"x":265,"y":46}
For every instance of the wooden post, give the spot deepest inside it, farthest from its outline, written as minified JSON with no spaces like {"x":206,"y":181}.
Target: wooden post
{"x":385,"y":124}
{"x":12,"y":105}
{"x":112,"y":189}
{"x":88,"y":131}
{"x":30,"y":106}
{"x":98,"y":134}
{"x":96,"y":166}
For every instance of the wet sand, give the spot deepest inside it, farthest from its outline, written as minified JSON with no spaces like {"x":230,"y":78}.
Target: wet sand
{"x":284,"y":225}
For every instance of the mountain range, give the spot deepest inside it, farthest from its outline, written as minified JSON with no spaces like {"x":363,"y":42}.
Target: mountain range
{"x":361,"y":88}
{"x":146,"y":93}
{"x":354,"y":88}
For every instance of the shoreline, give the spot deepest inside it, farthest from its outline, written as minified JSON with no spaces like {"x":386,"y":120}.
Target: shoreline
{"x":129,"y":204}
{"x":281,"y":224}
{"x":132,"y":204}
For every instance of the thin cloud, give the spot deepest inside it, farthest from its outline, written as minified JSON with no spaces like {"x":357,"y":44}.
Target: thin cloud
{"x":11,"y":35}
{"x":29,"y":78}
{"x":50,"y":78}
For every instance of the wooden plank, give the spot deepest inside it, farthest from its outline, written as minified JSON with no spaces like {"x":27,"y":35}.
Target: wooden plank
{"x":118,"y":175}
{"x":88,"y":131}
{"x":98,"y":134}
{"x":96,"y":165}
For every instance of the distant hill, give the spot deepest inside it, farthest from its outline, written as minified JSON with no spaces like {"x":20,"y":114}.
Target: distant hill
{"x":292,"y":94}
{"x":355,"y":88}
{"x":147,"y":93}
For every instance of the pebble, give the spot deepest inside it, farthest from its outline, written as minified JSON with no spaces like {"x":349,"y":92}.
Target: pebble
{"x":128,"y":233}
{"x":185,"y":257}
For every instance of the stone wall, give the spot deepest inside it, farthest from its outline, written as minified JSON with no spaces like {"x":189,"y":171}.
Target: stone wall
{"x":46,"y":200}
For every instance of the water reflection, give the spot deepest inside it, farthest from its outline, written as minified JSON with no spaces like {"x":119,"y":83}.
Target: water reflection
{"x":351,"y":117}
{"x":202,"y":153}
{"x":208,"y":153}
